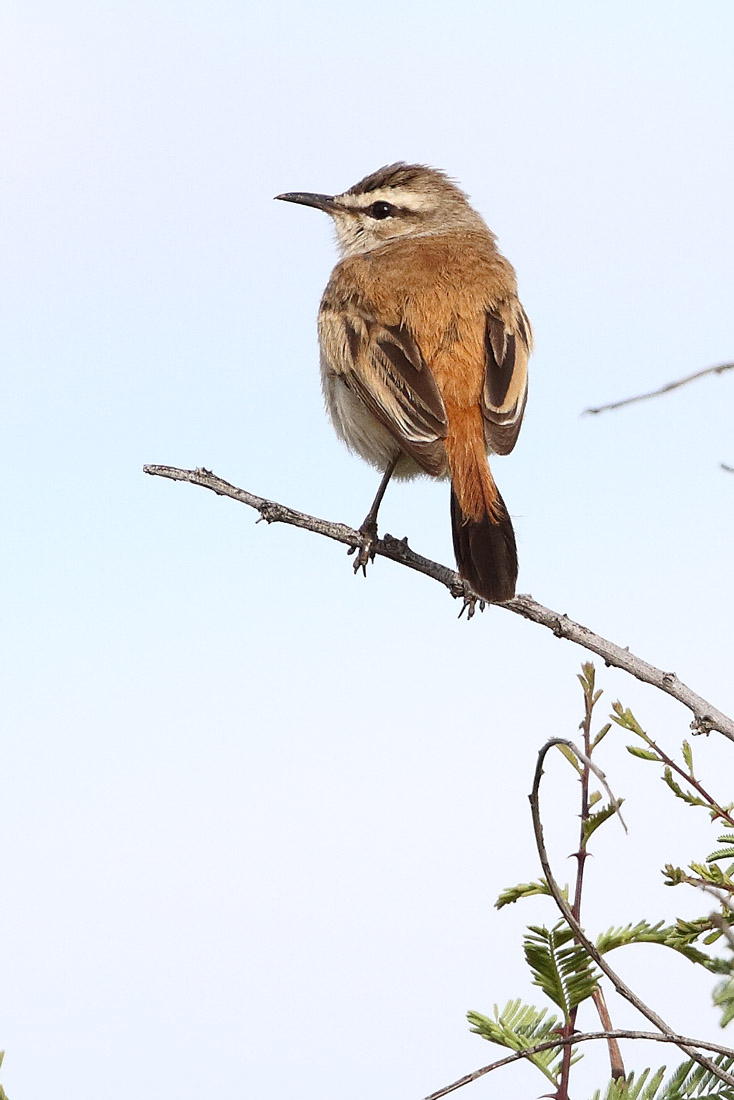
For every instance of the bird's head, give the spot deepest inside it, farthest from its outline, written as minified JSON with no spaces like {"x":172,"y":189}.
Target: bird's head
{"x":399,"y":200}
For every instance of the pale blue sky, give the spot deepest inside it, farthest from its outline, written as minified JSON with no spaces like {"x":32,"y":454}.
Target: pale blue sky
{"x":255,"y":812}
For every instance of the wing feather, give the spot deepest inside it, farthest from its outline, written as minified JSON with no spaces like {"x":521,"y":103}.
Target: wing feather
{"x":507,"y":347}
{"x":383,"y":365}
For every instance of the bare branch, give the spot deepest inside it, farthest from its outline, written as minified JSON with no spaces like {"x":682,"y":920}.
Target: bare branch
{"x":663,"y":389}
{"x":580,"y":1037}
{"x":591,"y":949}
{"x":705,"y":716}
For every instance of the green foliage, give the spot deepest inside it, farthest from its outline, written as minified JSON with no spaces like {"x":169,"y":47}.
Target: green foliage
{"x":593,"y":821}
{"x":685,"y":796}
{"x":643,"y":754}
{"x":559,"y":966}
{"x":688,"y":756}
{"x":587,"y":679}
{"x":685,"y":932}
{"x":631,"y":1088}
{"x":563,"y":970}
{"x":688,"y":1082}
{"x":712,"y":875}
{"x":708,"y":875}
{"x":3,"y":1094}
{"x":674,"y":876}
{"x":601,"y":735}
{"x":519,"y":1027}
{"x":678,"y":936}
{"x":571,"y":758}
{"x":525,"y":890}
{"x":626,"y":719}
{"x":724,"y":999}
{"x":726,"y":852}
{"x":691,"y":1080}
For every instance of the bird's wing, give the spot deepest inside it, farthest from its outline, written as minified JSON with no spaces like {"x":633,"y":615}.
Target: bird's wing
{"x":507,"y":346}
{"x":384,"y":367}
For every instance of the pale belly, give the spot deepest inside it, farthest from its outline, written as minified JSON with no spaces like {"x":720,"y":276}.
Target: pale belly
{"x":361,"y":432}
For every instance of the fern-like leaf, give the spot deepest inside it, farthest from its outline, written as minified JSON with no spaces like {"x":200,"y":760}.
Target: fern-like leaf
{"x":518,"y":1027}
{"x":560,"y":967}
{"x":714,"y":875}
{"x":525,"y":890}
{"x":642,"y":932}
{"x":721,"y":853}
{"x":691,"y":1080}
{"x":631,"y":1087}
{"x":688,"y":1082}
{"x":593,"y":821}
{"x":685,"y":796}
{"x":679,"y":937}
{"x":727,"y":852}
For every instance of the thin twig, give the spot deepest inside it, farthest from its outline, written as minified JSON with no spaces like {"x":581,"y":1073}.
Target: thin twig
{"x":570,"y":1025}
{"x":705,"y":716}
{"x":582,"y":853}
{"x":588,"y":681}
{"x":663,"y":389}
{"x":591,"y":949}
{"x":582,"y":1037}
{"x":724,"y":814}
{"x":702,"y":884}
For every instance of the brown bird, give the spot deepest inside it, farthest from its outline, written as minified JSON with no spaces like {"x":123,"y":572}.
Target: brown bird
{"x":424,"y":351}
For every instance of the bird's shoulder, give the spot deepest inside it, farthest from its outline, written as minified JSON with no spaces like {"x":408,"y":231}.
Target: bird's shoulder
{"x":432,"y":265}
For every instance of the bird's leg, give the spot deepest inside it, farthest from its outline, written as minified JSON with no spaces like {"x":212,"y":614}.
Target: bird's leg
{"x":368,"y":527}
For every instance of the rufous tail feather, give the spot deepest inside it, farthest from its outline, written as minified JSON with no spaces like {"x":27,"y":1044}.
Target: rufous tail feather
{"x":484,"y":540}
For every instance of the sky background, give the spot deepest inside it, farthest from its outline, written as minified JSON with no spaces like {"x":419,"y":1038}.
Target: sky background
{"x":255,"y":812}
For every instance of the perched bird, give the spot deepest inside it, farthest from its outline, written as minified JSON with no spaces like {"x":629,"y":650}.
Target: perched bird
{"x":424,"y":351}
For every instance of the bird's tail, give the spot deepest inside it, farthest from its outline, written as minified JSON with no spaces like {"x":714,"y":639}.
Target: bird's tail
{"x":484,"y":541}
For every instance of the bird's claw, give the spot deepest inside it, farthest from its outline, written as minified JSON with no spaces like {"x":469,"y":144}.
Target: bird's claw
{"x":470,"y":601}
{"x":366,"y":552}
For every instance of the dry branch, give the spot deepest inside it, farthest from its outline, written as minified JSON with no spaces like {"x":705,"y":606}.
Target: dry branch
{"x":663,"y":389}
{"x":705,"y":716}
{"x":572,"y":1040}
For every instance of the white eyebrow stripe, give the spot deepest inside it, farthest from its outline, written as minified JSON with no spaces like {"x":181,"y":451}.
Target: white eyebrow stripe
{"x":396,"y":196}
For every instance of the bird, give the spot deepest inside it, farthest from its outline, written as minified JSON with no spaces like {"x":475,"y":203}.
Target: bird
{"x":424,"y":353}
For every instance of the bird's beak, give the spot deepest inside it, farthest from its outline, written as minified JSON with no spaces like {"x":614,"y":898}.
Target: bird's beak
{"x":305,"y":198}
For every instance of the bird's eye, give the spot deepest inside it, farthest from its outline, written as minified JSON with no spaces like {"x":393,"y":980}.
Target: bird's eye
{"x":381,"y":210}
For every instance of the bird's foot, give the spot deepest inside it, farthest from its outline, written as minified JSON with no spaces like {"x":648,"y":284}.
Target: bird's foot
{"x":366,"y":552}
{"x":470,"y":600}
